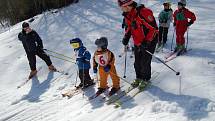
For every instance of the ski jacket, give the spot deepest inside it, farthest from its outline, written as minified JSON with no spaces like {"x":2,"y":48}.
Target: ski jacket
{"x":31,"y":41}
{"x":165,"y":17}
{"x":140,"y":24}
{"x":82,"y":58}
{"x":181,"y":17}
{"x":103,"y":58}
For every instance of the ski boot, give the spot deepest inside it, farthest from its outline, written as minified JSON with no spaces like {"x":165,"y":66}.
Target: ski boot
{"x":143,"y":84}
{"x":100,"y":91}
{"x":32,"y":74}
{"x":89,"y":83}
{"x":52,"y":68}
{"x":79,"y":86}
{"x":136,"y":82}
{"x":113,"y":91}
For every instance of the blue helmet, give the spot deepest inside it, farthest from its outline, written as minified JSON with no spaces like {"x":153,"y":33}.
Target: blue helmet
{"x":76,"y":40}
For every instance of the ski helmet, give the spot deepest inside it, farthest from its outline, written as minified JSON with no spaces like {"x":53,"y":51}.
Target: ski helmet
{"x":102,"y":42}
{"x":125,"y":2}
{"x":76,"y":40}
{"x":182,"y":2}
{"x":25,"y":24}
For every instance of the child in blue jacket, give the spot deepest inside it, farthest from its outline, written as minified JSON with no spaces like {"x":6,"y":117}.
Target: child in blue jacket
{"x":83,"y":61}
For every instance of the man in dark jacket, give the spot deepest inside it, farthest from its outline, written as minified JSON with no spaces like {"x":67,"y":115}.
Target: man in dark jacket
{"x":33,"y":46}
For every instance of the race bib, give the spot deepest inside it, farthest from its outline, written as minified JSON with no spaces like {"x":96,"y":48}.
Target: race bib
{"x":102,"y":59}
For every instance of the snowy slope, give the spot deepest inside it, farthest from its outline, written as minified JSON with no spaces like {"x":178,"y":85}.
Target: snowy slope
{"x":40,"y":99}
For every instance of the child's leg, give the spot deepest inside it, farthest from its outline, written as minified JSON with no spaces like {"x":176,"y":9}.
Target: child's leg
{"x":114,"y":77}
{"x":165,"y":33}
{"x":87,"y":78}
{"x":160,"y":34}
{"x":180,"y":40}
{"x":103,"y":78}
{"x":81,"y":75}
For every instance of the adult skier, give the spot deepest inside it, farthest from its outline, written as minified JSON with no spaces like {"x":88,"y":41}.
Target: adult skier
{"x":141,"y":25}
{"x":33,"y":46}
{"x":183,"y":18}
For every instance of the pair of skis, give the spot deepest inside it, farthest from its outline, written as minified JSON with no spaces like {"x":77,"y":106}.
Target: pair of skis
{"x":75,"y":91}
{"x":132,"y":93}
{"x":116,"y":98}
{"x":27,"y":80}
{"x":175,"y":54}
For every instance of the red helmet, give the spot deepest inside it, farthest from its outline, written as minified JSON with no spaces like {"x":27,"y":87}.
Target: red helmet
{"x":125,"y":2}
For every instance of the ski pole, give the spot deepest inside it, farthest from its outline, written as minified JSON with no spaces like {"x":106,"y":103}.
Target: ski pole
{"x":58,"y":54}
{"x":60,"y":58}
{"x":76,"y":80}
{"x":187,"y":38}
{"x":121,"y":78}
{"x":173,"y":36}
{"x":177,"y":73}
{"x":125,"y":62}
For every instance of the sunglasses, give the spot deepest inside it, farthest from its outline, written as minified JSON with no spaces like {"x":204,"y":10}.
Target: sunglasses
{"x":26,"y":28}
{"x":75,"y":45}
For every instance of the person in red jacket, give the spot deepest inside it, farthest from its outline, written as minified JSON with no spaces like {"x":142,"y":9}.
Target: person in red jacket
{"x":183,"y":18}
{"x":141,"y":25}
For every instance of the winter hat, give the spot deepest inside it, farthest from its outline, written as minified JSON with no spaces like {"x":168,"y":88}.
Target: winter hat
{"x":182,"y":2}
{"x":167,"y":2}
{"x":76,"y":40}
{"x":25,"y":24}
{"x":102,"y":42}
{"x":125,"y":2}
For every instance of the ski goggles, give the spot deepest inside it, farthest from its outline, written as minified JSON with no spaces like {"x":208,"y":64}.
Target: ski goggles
{"x":75,"y":45}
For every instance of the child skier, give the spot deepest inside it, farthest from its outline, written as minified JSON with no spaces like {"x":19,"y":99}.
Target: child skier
{"x":83,"y":61}
{"x":104,"y":60}
{"x":181,"y":23}
{"x":165,"y":18}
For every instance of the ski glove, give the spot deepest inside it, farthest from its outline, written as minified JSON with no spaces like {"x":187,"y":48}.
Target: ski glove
{"x":174,"y":24}
{"x":190,"y":23}
{"x":95,"y":70}
{"x":145,"y":45}
{"x":39,"y":47}
{"x":163,"y":21}
{"x":81,"y":60}
{"x":125,"y":40}
{"x":107,"y":68}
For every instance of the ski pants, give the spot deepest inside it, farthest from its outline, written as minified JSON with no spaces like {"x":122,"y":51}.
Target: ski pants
{"x":84,"y":76}
{"x":142,"y":63}
{"x":104,"y":77}
{"x":163,"y":32}
{"x":32,"y":58}
{"x":180,"y":40}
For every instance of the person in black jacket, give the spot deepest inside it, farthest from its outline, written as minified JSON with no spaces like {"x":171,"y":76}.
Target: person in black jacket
{"x":33,"y":46}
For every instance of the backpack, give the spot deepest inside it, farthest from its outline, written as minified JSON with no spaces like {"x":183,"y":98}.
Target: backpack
{"x":153,"y":24}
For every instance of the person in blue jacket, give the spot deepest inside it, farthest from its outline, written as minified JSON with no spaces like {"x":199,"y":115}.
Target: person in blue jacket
{"x":83,"y":61}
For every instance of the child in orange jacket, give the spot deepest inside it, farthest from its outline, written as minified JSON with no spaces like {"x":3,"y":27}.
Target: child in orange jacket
{"x":104,"y":60}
